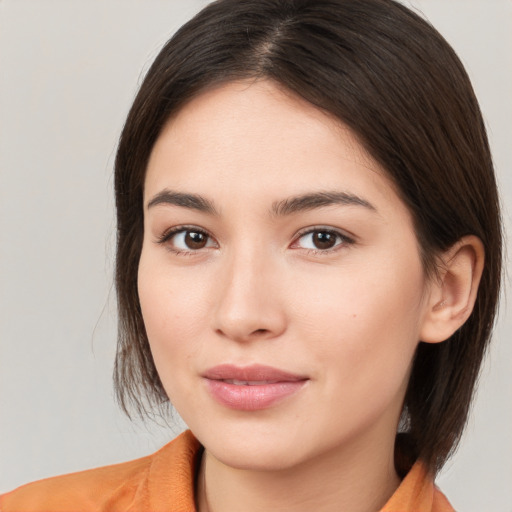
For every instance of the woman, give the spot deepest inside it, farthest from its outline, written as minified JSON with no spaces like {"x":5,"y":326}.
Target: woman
{"x":308,"y":262}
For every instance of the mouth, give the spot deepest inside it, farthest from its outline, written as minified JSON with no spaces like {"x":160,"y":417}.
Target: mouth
{"x":251,"y":388}
{"x":249,"y":382}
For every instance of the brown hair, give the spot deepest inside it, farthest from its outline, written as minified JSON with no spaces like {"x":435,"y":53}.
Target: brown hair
{"x":392,"y":78}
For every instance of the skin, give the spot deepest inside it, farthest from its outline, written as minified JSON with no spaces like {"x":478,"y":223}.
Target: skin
{"x":259,"y":291}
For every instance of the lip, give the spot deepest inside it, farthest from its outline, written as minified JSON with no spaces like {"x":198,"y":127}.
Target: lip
{"x":251,"y":388}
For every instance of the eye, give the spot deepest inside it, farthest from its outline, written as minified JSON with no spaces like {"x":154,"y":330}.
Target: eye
{"x":321,"y":240}
{"x":187,"y":239}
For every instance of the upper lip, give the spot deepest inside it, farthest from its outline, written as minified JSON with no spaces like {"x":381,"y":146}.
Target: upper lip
{"x":252,"y":373}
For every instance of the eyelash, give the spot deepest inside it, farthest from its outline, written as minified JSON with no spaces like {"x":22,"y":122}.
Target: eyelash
{"x":170,"y":233}
{"x":344,"y":240}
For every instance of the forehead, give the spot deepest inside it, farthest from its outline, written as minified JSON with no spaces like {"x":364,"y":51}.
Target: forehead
{"x":256,"y":136}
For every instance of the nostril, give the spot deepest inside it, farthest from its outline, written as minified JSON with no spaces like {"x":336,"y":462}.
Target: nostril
{"x":260,"y":331}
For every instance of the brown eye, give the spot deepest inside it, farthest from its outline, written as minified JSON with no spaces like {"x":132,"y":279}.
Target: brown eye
{"x":324,"y":239}
{"x":187,"y":240}
{"x":195,"y":239}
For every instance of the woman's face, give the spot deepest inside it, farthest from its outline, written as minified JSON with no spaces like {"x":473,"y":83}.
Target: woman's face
{"x":280,"y":280}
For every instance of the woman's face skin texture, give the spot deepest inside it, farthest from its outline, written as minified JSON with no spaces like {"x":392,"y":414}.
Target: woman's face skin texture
{"x":271,"y":238}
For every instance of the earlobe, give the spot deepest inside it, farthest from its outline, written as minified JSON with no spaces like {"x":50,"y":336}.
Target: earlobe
{"x":453,"y":294}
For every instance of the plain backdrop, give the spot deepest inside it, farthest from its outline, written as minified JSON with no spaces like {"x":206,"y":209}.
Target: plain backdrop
{"x":69,"y":70}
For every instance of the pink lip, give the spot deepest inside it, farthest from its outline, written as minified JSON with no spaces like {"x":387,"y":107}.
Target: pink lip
{"x":265,"y":386}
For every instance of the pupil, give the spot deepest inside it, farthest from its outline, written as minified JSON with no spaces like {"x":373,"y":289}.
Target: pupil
{"x":323,"y":240}
{"x":195,"y":240}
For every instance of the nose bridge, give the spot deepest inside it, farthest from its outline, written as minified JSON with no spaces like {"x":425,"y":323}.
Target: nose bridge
{"x":249,"y":302}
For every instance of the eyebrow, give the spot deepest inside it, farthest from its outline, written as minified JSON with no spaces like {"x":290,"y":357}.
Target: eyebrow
{"x":281,"y":208}
{"x":192,"y":201}
{"x":318,"y":200}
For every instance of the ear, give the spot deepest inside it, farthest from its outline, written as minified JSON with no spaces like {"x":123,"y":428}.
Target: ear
{"x":453,"y":293}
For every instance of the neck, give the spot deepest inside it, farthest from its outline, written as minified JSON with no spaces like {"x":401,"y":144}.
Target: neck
{"x":358,"y":479}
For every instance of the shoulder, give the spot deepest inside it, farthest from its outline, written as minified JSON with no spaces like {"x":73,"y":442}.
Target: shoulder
{"x":85,"y":489}
{"x":418,"y":493}
{"x":134,"y":485}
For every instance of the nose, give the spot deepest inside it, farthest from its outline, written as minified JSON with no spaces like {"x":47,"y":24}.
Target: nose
{"x":250,"y":296}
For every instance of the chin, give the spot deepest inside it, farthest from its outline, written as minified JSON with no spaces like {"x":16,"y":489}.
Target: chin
{"x":256,"y":447}
{"x":246,"y":455}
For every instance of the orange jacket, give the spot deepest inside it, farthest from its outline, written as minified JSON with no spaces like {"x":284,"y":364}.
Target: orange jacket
{"x":164,"y":482}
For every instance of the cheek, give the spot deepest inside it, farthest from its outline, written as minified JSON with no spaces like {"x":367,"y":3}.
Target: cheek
{"x":361,"y":297}
{"x":174,"y":314}
{"x":365,"y":327}
{"x":174,"y":309}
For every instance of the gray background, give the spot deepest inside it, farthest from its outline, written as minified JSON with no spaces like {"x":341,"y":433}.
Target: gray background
{"x":68,"y":72}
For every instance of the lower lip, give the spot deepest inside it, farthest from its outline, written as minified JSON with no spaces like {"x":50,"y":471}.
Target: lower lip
{"x":252,"y":398}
